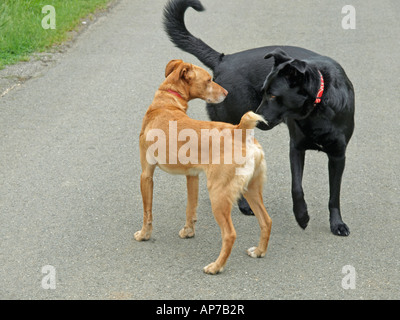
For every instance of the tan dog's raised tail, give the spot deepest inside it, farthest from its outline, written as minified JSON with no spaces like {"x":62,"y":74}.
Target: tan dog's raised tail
{"x":177,"y":144}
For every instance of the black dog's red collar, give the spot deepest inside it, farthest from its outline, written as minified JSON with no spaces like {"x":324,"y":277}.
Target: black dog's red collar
{"x":321,"y":89}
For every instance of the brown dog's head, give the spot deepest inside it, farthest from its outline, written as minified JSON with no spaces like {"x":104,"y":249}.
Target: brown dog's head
{"x":194,"y":82}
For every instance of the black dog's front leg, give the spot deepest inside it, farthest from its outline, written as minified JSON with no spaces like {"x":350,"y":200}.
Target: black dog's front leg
{"x":336,"y":168}
{"x":299,"y":204}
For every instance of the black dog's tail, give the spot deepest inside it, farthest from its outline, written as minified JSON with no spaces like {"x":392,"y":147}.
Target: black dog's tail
{"x":174,"y":25}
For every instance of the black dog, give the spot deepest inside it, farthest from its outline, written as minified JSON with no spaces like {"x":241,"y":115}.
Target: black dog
{"x":289,"y":94}
{"x":316,"y":100}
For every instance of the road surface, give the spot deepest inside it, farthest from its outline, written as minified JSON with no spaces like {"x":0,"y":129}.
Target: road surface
{"x":69,"y":167}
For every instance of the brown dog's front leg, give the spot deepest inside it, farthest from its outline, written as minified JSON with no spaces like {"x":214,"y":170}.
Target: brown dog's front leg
{"x":146,"y":187}
{"x":193,"y":191}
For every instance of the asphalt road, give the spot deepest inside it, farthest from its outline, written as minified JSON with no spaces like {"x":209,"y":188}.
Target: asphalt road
{"x":69,"y":166}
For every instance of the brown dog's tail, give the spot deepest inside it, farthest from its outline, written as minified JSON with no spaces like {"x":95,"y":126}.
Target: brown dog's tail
{"x":249,"y":120}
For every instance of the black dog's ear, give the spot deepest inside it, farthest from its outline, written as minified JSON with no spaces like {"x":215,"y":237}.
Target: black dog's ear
{"x":294,"y":72}
{"x":295,"y":68}
{"x":279,"y":55}
{"x":299,"y":65}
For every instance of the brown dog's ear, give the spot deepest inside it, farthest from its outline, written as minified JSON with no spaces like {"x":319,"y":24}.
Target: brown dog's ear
{"x":183,"y":70}
{"x":171,"y":66}
{"x":186,"y":72}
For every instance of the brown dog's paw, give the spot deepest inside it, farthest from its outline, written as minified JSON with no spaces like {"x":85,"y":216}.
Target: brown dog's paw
{"x":141,"y":236}
{"x":186,"y":232}
{"x":254,"y":252}
{"x":213,"y":268}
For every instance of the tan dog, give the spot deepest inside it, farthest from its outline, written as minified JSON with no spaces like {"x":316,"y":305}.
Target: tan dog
{"x":225,"y":181}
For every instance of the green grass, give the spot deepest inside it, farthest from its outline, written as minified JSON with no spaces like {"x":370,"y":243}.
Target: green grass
{"x":21,"y":31}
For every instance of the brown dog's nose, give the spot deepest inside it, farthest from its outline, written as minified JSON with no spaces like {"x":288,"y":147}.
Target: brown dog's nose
{"x":224,"y":92}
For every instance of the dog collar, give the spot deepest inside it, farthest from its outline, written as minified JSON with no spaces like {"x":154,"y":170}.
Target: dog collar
{"x":321,"y":89}
{"x":175,"y":93}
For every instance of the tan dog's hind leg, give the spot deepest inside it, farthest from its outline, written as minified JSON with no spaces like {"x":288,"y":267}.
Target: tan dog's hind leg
{"x":193,"y":191}
{"x":146,"y":187}
{"x":254,"y":198}
{"x":221,"y":207}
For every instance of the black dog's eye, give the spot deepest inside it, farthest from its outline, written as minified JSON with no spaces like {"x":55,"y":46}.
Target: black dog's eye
{"x":268,"y":94}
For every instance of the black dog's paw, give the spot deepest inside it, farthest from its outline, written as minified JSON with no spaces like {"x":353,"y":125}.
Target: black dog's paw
{"x":301,"y":216}
{"x":340,"y":229}
{"x":244,"y":207}
{"x":300,"y":211}
{"x":302,"y":219}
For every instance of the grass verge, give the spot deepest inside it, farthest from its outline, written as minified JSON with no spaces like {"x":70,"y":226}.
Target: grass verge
{"x":21,"y":31}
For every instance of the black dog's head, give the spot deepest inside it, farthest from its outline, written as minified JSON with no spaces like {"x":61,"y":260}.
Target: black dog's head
{"x":289,"y":90}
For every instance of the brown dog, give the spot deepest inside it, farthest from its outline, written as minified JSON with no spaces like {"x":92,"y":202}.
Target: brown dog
{"x":227,"y":180}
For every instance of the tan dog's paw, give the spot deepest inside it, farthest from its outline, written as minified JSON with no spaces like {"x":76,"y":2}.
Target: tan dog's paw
{"x":186,"y":232}
{"x":141,"y":236}
{"x":213,"y":268}
{"x":254,"y":252}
